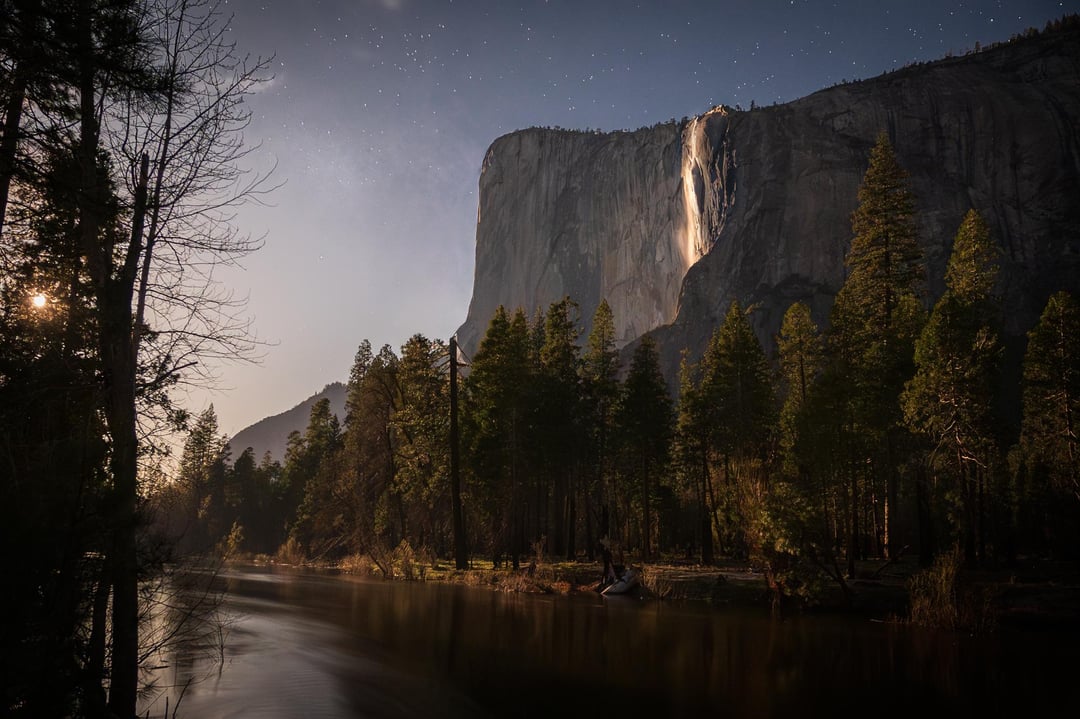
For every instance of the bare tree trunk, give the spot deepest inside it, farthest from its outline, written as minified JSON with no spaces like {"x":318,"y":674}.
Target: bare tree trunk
{"x":707,"y":556}
{"x":590,"y":536}
{"x":114,"y":291}
{"x":877,"y":525}
{"x":980,"y":501}
{"x":710,"y":493}
{"x":10,"y":141}
{"x":94,"y":671}
{"x":853,"y":529}
{"x":558,"y":527}
{"x":571,"y":518}
{"x":517,"y":511}
{"x":124,"y":672}
{"x":461,"y":557}
{"x":967,"y":523}
{"x":28,"y":13}
{"x":118,"y":349}
{"x":647,"y":539}
{"x":891,"y":526}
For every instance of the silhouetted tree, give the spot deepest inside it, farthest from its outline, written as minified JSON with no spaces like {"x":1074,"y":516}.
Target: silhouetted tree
{"x":874,"y":322}
{"x":950,"y":400}
{"x":1050,"y":478}
{"x":645,"y":423}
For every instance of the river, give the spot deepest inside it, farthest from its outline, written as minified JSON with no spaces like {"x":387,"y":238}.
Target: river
{"x":315,"y":644}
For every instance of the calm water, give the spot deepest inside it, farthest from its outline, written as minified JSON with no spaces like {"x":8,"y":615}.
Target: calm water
{"x":304,"y":644}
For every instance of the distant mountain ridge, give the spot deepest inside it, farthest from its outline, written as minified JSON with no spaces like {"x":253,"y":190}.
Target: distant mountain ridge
{"x":272,"y":433}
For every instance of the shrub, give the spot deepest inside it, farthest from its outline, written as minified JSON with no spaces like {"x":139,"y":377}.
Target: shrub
{"x":291,"y":552}
{"x":358,"y":564}
{"x":659,"y":585}
{"x":938,"y":599}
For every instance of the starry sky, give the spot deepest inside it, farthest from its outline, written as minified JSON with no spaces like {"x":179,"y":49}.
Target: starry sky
{"x":379,"y":113}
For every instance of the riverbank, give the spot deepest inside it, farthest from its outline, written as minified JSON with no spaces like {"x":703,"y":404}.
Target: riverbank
{"x":1034,"y":594}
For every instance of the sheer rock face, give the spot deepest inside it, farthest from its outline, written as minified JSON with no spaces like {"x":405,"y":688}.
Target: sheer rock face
{"x":672,"y":223}
{"x":587,"y":215}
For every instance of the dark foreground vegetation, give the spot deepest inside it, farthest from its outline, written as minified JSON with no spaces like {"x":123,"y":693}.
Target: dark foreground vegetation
{"x":886,"y":437}
{"x":120,"y":160}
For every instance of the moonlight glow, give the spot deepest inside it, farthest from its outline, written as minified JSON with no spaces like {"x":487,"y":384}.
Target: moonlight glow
{"x":38,"y":300}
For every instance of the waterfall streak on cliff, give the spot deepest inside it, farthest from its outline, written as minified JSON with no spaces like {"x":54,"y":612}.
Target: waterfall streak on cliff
{"x":692,"y":204}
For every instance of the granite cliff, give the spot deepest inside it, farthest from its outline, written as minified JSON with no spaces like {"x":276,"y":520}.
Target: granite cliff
{"x":673,"y":222}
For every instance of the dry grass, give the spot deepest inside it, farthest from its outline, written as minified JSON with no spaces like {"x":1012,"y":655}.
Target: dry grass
{"x":938,"y":598}
{"x":660,"y":585}
{"x":358,"y":564}
{"x":290,"y":552}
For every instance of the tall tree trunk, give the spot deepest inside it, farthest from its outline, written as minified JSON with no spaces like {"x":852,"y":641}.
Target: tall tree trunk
{"x":892,"y":481}
{"x":94,"y":671}
{"x":9,"y":142}
{"x":875,"y":539}
{"x":590,"y":536}
{"x":118,"y":384}
{"x":558,"y":525}
{"x":517,"y":518}
{"x":710,"y":493}
{"x":646,"y":543}
{"x":967,"y":511}
{"x":571,"y":520}
{"x":707,"y":557}
{"x":540,"y":510}
{"x":29,"y":22}
{"x":853,"y":528}
{"x":461,"y":557}
{"x":124,"y":680}
{"x":980,"y":512}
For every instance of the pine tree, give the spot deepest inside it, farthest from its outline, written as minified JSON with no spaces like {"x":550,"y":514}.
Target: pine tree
{"x":496,"y":427}
{"x":601,"y":389}
{"x":738,"y":406}
{"x":422,"y":427}
{"x":737,"y":382}
{"x":645,"y":423}
{"x":202,"y":475}
{"x":692,"y":454}
{"x":559,"y":412}
{"x":874,"y":322}
{"x":310,"y":473}
{"x":247,"y":499}
{"x":801,"y":351}
{"x":1048,"y":434}
{"x":950,"y":399}
{"x":369,"y":457}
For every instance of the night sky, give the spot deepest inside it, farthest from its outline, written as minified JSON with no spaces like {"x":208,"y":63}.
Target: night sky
{"x":380,"y":111}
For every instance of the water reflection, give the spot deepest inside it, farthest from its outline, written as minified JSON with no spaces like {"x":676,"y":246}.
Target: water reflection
{"x":310,"y":644}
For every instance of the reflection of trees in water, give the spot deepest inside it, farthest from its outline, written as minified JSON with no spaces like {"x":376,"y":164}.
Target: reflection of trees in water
{"x":184,"y":631}
{"x":576,"y":655}
{"x":498,"y":647}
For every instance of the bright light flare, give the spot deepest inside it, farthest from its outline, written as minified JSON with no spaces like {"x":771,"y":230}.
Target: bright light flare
{"x":38,"y":300}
